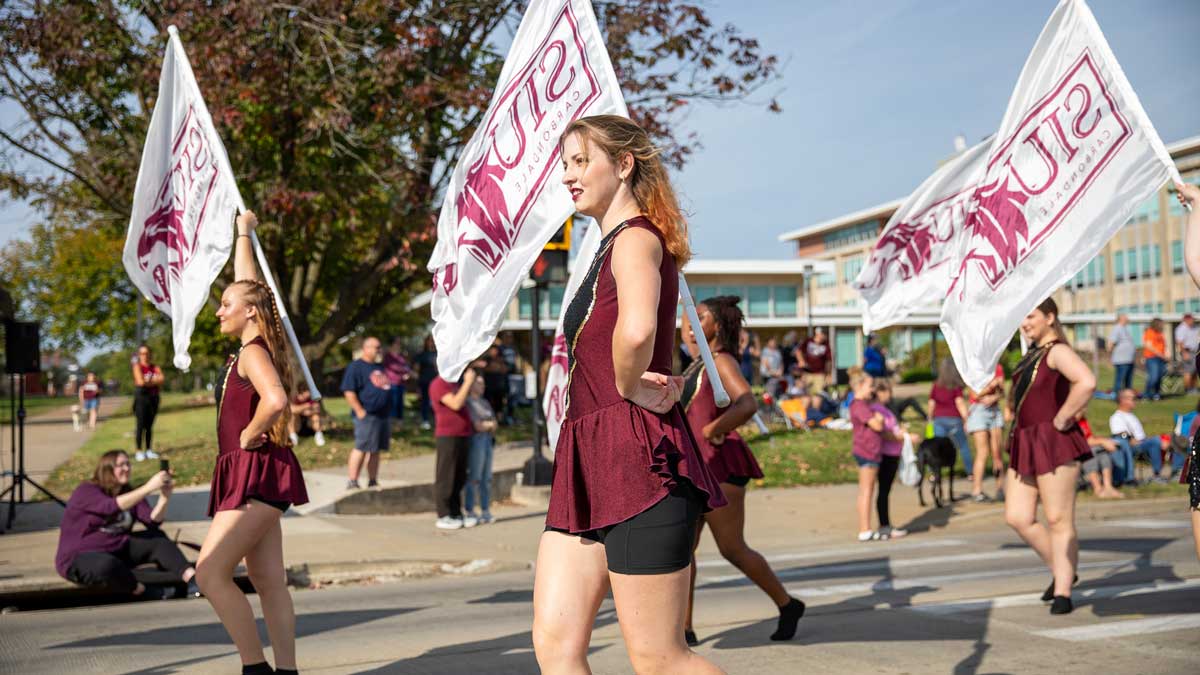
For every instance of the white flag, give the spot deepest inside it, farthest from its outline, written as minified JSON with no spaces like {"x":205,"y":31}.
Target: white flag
{"x":1075,"y":154}
{"x":913,"y":261}
{"x":505,"y":199}
{"x":554,"y":399}
{"x":181,"y":227}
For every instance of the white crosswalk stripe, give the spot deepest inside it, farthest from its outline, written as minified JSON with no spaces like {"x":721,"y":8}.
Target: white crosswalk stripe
{"x":1034,"y":599}
{"x":1112,"y":629}
{"x":861,"y":549}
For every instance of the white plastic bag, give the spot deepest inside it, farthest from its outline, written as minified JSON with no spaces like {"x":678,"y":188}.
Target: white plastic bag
{"x":909,"y":474}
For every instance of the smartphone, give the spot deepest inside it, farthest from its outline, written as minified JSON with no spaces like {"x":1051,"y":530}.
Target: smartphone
{"x":164,"y":465}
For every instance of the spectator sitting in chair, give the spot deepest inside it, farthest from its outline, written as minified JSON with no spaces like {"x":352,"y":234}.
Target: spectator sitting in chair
{"x":1187,"y":341}
{"x":96,"y":542}
{"x":1099,"y":469}
{"x":1131,"y":440}
{"x":306,"y":418}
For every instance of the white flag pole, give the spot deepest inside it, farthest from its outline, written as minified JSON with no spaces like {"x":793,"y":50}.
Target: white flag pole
{"x":283,"y":316}
{"x":689,"y":311}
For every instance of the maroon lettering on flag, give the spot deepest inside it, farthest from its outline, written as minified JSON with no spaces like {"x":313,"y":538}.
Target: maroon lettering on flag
{"x":1034,"y":178}
{"x":509,"y":169}
{"x":170,"y":233}
{"x":918,"y":243}
{"x":558,"y":390}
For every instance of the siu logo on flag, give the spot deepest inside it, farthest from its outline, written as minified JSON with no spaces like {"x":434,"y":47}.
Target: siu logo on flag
{"x":909,"y":247}
{"x":1040,"y":172}
{"x":507,"y":172}
{"x":170,"y":233}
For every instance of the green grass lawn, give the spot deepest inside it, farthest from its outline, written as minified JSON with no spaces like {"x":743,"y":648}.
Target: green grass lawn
{"x":185,"y":433}
{"x":34,"y":405}
{"x":823,"y":457}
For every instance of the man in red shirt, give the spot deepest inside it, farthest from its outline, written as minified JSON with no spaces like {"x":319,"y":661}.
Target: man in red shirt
{"x":452,"y":436}
{"x":813,"y":353}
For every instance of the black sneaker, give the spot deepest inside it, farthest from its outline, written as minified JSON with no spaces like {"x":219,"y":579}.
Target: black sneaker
{"x":193,"y":589}
{"x":1049,"y":594}
{"x":1062,"y":605}
{"x":372,"y":484}
{"x":690,"y":637}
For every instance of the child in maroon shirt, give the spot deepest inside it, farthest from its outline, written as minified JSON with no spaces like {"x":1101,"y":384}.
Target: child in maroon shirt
{"x":868,"y":449}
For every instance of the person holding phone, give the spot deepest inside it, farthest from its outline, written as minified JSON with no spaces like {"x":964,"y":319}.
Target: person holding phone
{"x":97,"y":545}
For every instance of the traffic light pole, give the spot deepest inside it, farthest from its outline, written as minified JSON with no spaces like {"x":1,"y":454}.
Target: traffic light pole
{"x":538,"y":469}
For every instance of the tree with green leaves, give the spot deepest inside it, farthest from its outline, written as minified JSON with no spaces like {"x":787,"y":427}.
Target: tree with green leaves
{"x":343,"y":122}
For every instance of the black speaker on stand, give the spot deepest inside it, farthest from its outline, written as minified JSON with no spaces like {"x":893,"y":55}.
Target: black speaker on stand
{"x":22,"y":356}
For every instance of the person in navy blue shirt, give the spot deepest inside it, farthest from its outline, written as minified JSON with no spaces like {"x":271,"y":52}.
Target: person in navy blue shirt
{"x":367,"y":389}
{"x":874,"y":361}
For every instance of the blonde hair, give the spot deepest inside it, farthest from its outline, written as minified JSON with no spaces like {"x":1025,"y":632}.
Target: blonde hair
{"x":618,"y":136}
{"x":259,"y":296}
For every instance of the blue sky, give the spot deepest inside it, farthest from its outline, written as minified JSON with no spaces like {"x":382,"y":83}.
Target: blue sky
{"x":873,"y":95}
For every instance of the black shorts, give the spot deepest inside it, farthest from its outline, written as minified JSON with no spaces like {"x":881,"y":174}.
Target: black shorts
{"x":282,"y":506}
{"x":740,"y":481}
{"x":658,"y":540}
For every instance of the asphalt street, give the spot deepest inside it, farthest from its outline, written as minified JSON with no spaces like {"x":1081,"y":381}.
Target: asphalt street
{"x":958,"y":603}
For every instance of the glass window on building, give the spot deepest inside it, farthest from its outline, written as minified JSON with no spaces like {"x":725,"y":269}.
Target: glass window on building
{"x":1194,"y":305}
{"x":1132,"y":260}
{"x":826,"y":280}
{"x":852,"y":235}
{"x":759,"y":302}
{"x":1180,"y":307}
{"x":1119,"y":266}
{"x":735,"y":291}
{"x":1155,"y":266}
{"x":850,"y":269}
{"x":846,"y":347}
{"x":785,"y":300}
{"x":704,"y":292}
{"x":525,"y":303}
{"x":1147,"y":212}
{"x":556,"y":300}
{"x":1176,"y":257}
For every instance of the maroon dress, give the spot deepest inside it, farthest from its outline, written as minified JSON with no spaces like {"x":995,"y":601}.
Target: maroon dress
{"x":269,"y":472}
{"x":1035,"y":446}
{"x":730,"y":459}
{"x":615,"y":459}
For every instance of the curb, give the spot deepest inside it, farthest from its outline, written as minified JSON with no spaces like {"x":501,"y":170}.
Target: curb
{"x":319,"y":575}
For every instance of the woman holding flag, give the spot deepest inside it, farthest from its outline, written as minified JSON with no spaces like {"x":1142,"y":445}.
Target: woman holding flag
{"x":257,"y":476}
{"x":629,"y":485}
{"x":727,"y":455}
{"x":1051,"y":385}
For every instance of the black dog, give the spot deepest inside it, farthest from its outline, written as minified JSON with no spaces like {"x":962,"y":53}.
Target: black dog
{"x":935,"y":454}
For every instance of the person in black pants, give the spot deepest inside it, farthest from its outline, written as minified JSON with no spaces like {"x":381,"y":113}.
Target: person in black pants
{"x":889,"y":464}
{"x":147,"y":378}
{"x":452,"y":436}
{"x":96,"y":545}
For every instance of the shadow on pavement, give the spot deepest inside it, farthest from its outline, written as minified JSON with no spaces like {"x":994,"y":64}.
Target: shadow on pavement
{"x":509,"y":654}
{"x":502,"y":597}
{"x":214,"y":633}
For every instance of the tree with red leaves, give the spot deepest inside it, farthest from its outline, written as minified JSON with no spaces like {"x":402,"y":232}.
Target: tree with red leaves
{"x":343,"y":121}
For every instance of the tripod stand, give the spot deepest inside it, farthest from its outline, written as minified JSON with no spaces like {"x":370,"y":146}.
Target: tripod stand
{"x":16,"y":491}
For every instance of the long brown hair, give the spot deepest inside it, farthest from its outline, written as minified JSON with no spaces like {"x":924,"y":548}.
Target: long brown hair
{"x":105,"y":474}
{"x":259,"y":296}
{"x":1022,"y":376}
{"x":618,"y":136}
{"x":728,"y":316}
{"x":948,"y":377}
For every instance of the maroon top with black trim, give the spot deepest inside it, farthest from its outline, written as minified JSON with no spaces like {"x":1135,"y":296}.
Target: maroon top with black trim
{"x":615,"y":459}
{"x":732,"y":458}
{"x":1036,"y":447}
{"x":269,"y":472}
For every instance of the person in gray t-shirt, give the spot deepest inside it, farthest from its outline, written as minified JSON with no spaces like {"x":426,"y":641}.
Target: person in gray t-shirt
{"x":1120,"y":343}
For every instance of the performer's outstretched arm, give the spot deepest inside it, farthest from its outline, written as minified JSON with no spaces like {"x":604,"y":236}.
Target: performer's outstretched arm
{"x":1189,"y":195}
{"x":243,"y":250}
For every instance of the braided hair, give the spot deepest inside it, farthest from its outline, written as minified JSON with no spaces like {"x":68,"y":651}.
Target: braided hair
{"x":729,"y":318}
{"x":258,"y":295}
